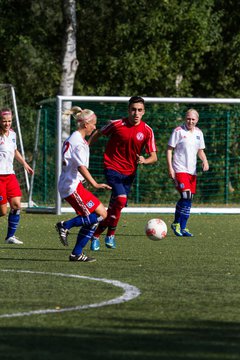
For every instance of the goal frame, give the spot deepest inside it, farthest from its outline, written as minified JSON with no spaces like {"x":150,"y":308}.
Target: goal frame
{"x":59,"y":103}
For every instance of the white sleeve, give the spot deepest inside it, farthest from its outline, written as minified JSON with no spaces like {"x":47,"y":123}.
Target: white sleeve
{"x":202,"y":142}
{"x":173,"y":139}
{"x":80,"y":156}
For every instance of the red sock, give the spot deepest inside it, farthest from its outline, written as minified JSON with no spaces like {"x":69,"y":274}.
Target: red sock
{"x":114,"y":215}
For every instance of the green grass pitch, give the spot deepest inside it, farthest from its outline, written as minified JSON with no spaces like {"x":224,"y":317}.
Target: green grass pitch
{"x":189,"y":306}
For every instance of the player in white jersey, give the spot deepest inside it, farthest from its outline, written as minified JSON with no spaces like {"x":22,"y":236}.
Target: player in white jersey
{"x":75,"y":160}
{"x":186,"y":142}
{"x":9,"y":187}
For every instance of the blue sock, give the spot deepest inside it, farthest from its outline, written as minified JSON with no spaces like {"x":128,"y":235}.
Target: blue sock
{"x":177,"y":212}
{"x":82,"y":221}
{"x":84,"y":235}
{"x":185,"y":212}
{"x":13,"y":221}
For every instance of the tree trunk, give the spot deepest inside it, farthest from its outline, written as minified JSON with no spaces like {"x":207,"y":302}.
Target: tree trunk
{"x":69,"y":61}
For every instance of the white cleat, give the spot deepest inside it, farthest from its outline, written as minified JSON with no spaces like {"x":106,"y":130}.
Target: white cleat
{"x":13,"y":240}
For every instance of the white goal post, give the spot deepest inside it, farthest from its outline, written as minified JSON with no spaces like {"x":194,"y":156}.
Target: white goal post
{"x":111,"y":99}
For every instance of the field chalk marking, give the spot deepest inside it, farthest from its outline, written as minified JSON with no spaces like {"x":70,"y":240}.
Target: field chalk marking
{"x":130,"y":292}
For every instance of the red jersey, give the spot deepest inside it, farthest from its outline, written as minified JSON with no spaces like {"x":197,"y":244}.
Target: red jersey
{"x":125,"y":142}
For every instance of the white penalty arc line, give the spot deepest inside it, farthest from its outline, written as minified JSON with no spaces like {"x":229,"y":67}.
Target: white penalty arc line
{"x":130,"y":292}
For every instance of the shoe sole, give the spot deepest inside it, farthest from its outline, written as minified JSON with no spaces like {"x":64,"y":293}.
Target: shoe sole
{"x":110,"y":246}
{"x":64,"y":242}
{"x":89,"y":260}
{"x":14,"y":243}
{"x":95,"y":249}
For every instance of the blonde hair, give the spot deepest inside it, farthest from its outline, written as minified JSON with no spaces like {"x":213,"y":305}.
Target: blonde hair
{"x":82,"y":116}
{"x":194,"y":111}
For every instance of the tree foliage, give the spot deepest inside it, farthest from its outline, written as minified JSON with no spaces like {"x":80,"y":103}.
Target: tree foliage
{"x":153,"y":48}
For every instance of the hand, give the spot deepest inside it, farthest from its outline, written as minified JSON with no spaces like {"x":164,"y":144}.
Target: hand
{"x":140,"y":159}
{"x":205,"y":166}
{"x":171,"y":173}
{"x":28,"y":168}
{"x":103,"y":186}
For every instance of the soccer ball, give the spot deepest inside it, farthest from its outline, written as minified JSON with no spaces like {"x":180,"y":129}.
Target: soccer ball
{"x":156,"y":229}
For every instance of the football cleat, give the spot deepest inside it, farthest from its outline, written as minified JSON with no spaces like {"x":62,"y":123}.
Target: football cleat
{"x":82,"y":257}
{"x":110,"y":242}
{"x":176,"y":229}
{"x":95,"y":244}
{"x":186,"y":232}
{"x":13,"y":240}
{"x":63,"y":233}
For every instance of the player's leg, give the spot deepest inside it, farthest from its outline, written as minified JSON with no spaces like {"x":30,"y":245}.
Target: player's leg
{"x":85,"y":234}
{"x":119,"y":203}
{"x":176,"y":227}
{"x":187,"y":204}
{"x":113,"y":179}
{"x":183,"y":206}
{"x":83,"y":202}
{"x":104,"y":224}
{"x":95,"y":241}
{"x":121,"y":187}
{"x":14,"y":194}
{"x":13,"y":221}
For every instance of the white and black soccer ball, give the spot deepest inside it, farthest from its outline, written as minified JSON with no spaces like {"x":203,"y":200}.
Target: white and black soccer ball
{"x":156,"y":229}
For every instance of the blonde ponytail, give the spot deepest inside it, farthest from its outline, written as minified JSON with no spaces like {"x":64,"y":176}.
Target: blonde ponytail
{"x":80,"y":115}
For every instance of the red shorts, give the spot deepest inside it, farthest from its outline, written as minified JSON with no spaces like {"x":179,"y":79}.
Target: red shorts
{"x":83,"y":201}
{"x":185,"y":182}
{"x":9,"y":188}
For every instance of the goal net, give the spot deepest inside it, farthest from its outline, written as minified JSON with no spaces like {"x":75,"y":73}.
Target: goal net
{"x":8,"y":100}
{"x":152,"y":191}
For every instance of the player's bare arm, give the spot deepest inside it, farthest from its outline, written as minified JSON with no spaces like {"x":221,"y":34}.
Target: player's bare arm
{"x":151,"y":159}
{"x":21,"y":160}
{"x":88,"y":177}
{"x":171,"y":172}
{"x":202,"y":156}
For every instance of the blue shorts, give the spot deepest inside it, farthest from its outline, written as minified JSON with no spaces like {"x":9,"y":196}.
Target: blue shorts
{"x":121,"y":184}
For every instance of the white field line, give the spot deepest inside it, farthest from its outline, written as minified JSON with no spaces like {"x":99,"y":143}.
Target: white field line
{"x":130,"y":292}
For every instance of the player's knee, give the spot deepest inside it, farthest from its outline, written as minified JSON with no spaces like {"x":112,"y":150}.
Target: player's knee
{"x":102,"y":211}
{"x":120,"y":202}
{"x":15,"y":205}
{"x":104,"y":214}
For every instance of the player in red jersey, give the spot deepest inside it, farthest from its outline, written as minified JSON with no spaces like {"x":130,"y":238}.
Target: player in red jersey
{"x":127,"y":139}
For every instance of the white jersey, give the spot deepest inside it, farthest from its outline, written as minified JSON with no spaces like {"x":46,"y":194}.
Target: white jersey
{"x":8,"y":145}
{"x":75,"y":152}
{"x":186,"y":144}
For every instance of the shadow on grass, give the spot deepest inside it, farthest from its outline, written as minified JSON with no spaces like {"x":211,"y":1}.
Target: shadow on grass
{"x":32,"y":248}
{"x":168,"y":340}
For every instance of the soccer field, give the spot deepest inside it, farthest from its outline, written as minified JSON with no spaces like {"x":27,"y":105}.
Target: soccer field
{"x":177,"y":298}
